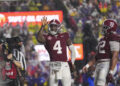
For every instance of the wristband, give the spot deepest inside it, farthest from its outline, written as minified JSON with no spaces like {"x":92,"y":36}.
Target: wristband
{"x":111,"y":72}
{"x":87,"y":65}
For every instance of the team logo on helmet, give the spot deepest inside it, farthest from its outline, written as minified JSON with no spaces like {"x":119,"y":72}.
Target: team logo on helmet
{"x":109,"y":25}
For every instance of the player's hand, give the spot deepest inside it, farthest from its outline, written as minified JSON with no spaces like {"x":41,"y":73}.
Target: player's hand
{"x":72,"y":66}
{"x":84,"y":69}
{"x":44,"y":21}
{"x":10,"y":56}
{"x":109,"y":78}
{"x":75,"y":74}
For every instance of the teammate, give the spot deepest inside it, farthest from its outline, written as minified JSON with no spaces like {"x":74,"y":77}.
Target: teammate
{"x":56,"y":43}
{"x":107,"y":54}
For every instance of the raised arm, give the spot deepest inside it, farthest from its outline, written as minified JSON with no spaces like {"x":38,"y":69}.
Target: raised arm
{"x":40,"y":36}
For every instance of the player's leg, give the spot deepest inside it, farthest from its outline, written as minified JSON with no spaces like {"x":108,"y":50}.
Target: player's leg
{"x":66,"y":75}
{"x":52,"y":79}
{"x":101,"y":73}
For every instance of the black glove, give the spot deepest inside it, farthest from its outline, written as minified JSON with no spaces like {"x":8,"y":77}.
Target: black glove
{"x":109,"y":78}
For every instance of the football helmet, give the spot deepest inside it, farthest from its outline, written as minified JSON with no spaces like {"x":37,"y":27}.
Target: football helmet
{"x":54,"y":27}
{"x":109,"y":26}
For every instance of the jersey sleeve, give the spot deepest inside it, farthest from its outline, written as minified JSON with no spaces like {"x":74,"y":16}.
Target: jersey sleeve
{"x":114,"y":43}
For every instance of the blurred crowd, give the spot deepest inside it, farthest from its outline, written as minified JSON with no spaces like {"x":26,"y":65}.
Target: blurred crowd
{"x":82,"y":19}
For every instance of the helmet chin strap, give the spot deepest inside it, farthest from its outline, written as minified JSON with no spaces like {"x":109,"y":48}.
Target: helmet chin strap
{"x":53,"y":32}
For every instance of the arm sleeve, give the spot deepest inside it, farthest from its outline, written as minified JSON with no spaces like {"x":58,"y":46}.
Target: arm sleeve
{"x":114,"y":46}
{"x":73,"y":54}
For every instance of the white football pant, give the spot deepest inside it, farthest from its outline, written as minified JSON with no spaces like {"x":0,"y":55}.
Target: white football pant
{"x":101,"y":72}
{"x":62,"y":74}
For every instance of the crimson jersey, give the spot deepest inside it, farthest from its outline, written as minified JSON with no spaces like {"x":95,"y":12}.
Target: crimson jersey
{"x":56,"y":46}
{"x":10,"y":70}
{"x":104,"y":47}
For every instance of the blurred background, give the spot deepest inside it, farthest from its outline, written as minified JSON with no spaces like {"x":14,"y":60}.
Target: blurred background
{"x":81,"y":18}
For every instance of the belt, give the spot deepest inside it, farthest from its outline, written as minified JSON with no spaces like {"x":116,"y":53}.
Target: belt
{"x":103,"y":60}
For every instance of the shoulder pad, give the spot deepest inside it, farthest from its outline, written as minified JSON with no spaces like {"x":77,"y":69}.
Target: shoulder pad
{"x":114,"y":37}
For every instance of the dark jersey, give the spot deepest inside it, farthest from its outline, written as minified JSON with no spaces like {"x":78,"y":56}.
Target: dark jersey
{"x":56,"y":46}
{"x":104,"y":46}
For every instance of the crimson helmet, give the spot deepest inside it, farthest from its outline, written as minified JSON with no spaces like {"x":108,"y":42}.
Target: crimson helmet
{"x":109,"y":25}
{"x":57,"y":26}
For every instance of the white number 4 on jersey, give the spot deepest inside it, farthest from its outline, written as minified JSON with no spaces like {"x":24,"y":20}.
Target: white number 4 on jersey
{"x":57,"y":46}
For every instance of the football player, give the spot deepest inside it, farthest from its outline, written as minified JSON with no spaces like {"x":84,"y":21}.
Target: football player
{"x":56,"y":44}
{"x":107,"y":54}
